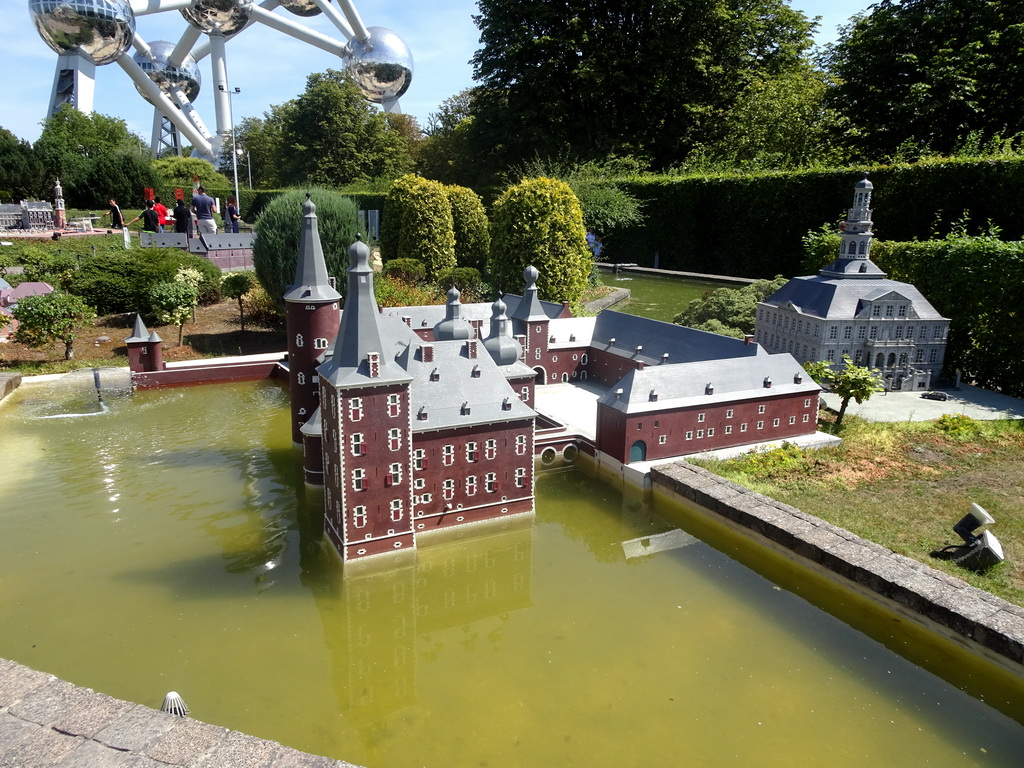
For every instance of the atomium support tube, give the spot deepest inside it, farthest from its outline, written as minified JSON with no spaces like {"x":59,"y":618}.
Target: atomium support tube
{"x":146,"y":7}
{"x":142,"y":46}
{"x":335,"y":17}
{"x":156,"y":96}
{"x":221,"y":94}
{"x":360,"y":30}
{"x":184,"y":46}
{"x":189,"y":110}
{"x":299,"y":32}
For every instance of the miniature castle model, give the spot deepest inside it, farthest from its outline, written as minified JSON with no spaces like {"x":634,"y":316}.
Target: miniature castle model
{"x":851,"y":309}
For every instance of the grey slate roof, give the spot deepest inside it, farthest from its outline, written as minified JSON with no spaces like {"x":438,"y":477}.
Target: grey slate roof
{"x":684,"y":385}
{"x":311,"y":279}
{"x":682,"y":344}
{"x":839,"y":297}
{"x":430,"y":315}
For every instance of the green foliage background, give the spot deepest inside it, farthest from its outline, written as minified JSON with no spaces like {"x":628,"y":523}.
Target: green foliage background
{"x":418,"y":224}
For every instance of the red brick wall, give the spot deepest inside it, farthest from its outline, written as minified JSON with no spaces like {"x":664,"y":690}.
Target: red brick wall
{"x":311,"y":331}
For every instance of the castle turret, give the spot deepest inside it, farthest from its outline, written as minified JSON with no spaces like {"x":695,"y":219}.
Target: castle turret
{"x":453,"y":326}
{"x":312,"y":310}
{"x":60,"y":217}
{"x":145,"y":349}
{"x":531,"y":322}
{"x":503,"y":349}
{"x":855,"y":244}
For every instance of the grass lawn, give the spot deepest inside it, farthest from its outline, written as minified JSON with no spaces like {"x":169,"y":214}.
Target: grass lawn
{"x":904,"y":485}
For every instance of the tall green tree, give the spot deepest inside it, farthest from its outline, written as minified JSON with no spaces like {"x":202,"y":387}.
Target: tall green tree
{"x":631,"y":77}
{"x":418,"y":224}
{"x":180,"y":172}
{"x":21,"y":175}
{"x":929,"y":72}
{"x":332,"y":136}
{"x":262,"y":140}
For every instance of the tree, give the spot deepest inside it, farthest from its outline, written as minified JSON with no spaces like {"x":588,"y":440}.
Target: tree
{"x":470,"y":227}
{"x":849,"y":381}
{"x":55,"y":317}
{"x":235,"y":286}
{"x":928,"y":72}
{"x":262,"y":140}
{"x":275,"y":249}
{"x":418,"y":224}
{"x":175,"y":171}
{"x":728,"y":311}
{"x":642,"y":77}
{"x":172,"y":304}
{"x":331,"y":136}
{"x":20,"y":170}
{"x":540,"y":222}
{"x":445,"y":154}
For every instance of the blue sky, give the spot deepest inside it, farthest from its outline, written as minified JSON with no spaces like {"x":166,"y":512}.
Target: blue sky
{"x":270,"y":67}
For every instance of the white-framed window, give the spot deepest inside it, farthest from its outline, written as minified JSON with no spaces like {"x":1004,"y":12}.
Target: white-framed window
{"x":938,"y":332}
{"x":419,"y":484}
{"x":583,"y":359}
{"x":520,"y":477}
{"x":394,"y":439}
{"x":933,"y":356}
{"x":491,"y":448}
{"x":299,"y":341}
{"x":807,"y":417}
{"x":395,"y":473}
{"x":662,"y":439}
{"x":356,"y":443}
{"x":700,"y":433}
{"x":760,"y":425}
{"x":807,"y":402}
{"x":862,"y":332}
{"x":700,"y":418}
{"x":919,"y":356}
{"x":889,"y":310}
{"x":760,"y":409}
{"x":419,"y":458}
{"x":689,"y":435}
{"x":490,"y":482}
{"x":711,"y":431}
{"x":775,"y":422}
{"x":448,"y":489}
{"x":524,"y":394}
{"x":300,"y":377}
{"x":520,"y":445}
{"x":831,"y":357}
{"x":396,"y":510}
{"x":448,"y":455}
{"x":394,"y":405}
{"x":743,"y":427}
{"x":319,"y":343}
{"x":876,"y":310}
{"x":536,"y":353}
{"x":472,"y":453}
{"x":471,"y":485}
{"x":903,"y":310}
{"x":426,"y":498}
{"x":728,"y":413}
{"x":833,"y":331}
{"x":728,"y":429}
{"x":358,"y":479}
{"x":359,"y":516}
{"x":355,"y":409}
{"x":792,"y":419}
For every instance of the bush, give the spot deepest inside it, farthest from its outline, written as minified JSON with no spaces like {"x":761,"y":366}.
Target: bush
{"x":418,"y":224}
{"x":394,"y":292}
{"x":409,"y":270}
{"x":466,"y":279}
{"x":539,"y":222}
{"x":278,"y":231}
{"x":470,"y":227}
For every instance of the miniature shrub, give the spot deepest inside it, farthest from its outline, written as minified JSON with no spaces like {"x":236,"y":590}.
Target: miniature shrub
{"x":395,"y":292}
{"x":470,"y":227}
{"x":410,"y":270}
{"x":958,"y":426}
{"x":417,"y":224}
{"x":278,"y":229}
{"x":540,"y":222}
{"x":466,"y":279}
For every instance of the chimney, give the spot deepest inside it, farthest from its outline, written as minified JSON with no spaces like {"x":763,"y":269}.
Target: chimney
{"x":471,"y":349}
{"x":427,"y":353}
{"x":748,"y":339}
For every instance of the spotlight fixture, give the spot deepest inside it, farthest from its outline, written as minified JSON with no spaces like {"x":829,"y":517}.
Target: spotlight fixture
{"x":986,"y":552}
{"x":970,"y":522}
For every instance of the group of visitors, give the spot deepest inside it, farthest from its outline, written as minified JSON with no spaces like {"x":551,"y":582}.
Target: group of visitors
{"x":155,"y":215}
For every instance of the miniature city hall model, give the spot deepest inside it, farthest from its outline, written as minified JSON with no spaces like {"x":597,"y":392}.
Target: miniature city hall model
{"x":851,"y":309}
{"x":415,"y":420}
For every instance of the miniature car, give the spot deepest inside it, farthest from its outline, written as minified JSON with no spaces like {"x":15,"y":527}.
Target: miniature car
{"x":932,"y":395}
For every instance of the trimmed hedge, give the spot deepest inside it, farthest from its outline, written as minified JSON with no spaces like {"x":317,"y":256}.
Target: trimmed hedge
{"x":418,"y":225}
{"x":752,"y":226}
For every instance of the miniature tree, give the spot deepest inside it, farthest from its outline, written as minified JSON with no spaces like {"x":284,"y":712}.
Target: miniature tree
{"x":418,"y":224}
{"x":172,"y":304}
{"x":235,"y":285}
{"x":849,"y":381}
{"x":540,"y":222}
{"x":57,"y":316}
{"x":470,"y":227}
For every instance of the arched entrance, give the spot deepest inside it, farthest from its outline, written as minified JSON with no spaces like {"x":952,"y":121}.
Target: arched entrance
{"x":541,"y":377}
{"x":638,"y":451}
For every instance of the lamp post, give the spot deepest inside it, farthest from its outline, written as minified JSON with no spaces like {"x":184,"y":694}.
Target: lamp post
{"x":248,"y":162}
{"x":234,"y":155}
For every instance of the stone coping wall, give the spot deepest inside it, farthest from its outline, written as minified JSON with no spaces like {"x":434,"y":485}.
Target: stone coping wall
{"x":45,"y":721}
{"x":981,"y":620}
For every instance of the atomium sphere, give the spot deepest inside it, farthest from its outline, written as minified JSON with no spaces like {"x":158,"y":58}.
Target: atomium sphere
{"x":169,"y":78}
{"x":382,"y":66}
{"x":301,"y":7}
{"x":218,"y":17}
{"x":98,"y":30}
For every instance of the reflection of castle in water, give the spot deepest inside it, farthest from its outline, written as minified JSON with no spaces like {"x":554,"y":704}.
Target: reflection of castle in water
{"x":379,"y":623}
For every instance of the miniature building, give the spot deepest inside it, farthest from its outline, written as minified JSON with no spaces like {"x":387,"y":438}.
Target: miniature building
{"x":28,"y":214}
{"x":851,"y":308}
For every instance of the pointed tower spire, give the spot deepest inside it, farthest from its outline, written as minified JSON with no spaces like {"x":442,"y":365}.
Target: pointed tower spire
{"x":529,"y":308}
{"x":503,"y":349}
{"x":855,"y":244}
{"x":453,"y":326}
{"x":311,"y":279}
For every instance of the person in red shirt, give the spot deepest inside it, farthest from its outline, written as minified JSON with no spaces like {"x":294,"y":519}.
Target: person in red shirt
{"x":161,"y":214}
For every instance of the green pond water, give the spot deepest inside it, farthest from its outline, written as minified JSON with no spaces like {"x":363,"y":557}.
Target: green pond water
{"x":166,"y":544}
{"x":659,"y":298}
